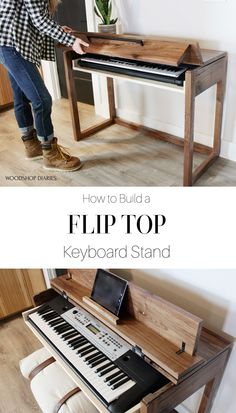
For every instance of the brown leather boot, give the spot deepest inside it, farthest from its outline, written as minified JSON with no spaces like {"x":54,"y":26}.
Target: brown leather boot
{"x":33,"y":148}
{"x":56,"y":158}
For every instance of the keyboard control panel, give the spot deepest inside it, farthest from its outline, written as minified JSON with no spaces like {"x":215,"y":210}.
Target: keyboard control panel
{"x":97,"y":333}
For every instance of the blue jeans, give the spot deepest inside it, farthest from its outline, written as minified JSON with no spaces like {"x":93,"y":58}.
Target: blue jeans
{"x":28,"y":86}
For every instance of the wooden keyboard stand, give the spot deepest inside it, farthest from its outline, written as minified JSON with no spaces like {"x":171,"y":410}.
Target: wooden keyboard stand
{"x":211,"y":70}
{"x":158,"y":329}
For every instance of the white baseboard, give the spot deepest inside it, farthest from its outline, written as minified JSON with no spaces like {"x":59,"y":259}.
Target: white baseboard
{"x":228,"y":149}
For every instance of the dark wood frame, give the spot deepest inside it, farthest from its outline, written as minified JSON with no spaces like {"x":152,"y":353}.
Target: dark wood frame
{"x":212,"y":71}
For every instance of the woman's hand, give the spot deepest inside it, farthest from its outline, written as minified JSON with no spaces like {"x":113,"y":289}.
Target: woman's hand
{"x":77,"y":46}
{"x":67,"y":29}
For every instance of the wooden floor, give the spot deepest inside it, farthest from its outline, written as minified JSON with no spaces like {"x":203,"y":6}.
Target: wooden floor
{"x":16,"y":342}
{"x":116,"y":156}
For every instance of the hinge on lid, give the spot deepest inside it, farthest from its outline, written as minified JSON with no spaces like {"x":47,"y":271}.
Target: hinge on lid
{"x":182,"y":349}
{"x":64,"y":295}
{"x":137,"y":350}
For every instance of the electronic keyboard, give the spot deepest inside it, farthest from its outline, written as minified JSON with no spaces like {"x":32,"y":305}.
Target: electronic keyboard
{"x":146,"y":70}
{"x":104,"y":361}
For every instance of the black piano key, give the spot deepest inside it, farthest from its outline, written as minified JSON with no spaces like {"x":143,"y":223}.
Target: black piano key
{"x":95,"y":358}
{"x":69,"y":328}
{"x":88,"y":358}
{"x":79,"y":344}
{"x":55,"y":322}
{"x":60,"y":327}
{"x":43,"y":310}
{"x":103,"y":372}
{"x":116,"y":379}
{"x":120,"y":383}
{"x":79,"y":340}
{"x":48,"y":312}
{"x":88,"y":346}
{"x":49,"y":316}
{"x":64,"y":329}
{"x":63,"y":324}
{"x":57,"y":318}
{"x":54,"y":318}
{"x":104,"y":367}
{"x":75,"y":340}
{"x":67,"y":340}
{"x":95,"y":363}
{"x":45,"y":313}
{"x":82,"y":353}
{"x":67,"y":336}
{"x":112,"y":376}
{"x":86,"y":350}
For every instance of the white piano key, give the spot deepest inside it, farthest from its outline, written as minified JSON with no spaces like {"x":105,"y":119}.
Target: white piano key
{"x":172,"y":72}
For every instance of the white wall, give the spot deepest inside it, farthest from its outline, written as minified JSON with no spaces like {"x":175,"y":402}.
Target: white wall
{"x":212,"y":23}
{"x":51,"y":79}
{"x":210,"y":294}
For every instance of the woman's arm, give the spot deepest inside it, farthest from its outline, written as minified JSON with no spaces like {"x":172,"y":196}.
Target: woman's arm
{"x":45,"y":24}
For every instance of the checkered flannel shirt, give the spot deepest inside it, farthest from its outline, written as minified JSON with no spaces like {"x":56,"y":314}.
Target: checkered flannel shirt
{"x":27,"y":26}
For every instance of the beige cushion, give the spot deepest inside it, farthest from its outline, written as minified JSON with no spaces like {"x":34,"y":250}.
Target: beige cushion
{"x":30,"y":362}
{"x":52,"y":384}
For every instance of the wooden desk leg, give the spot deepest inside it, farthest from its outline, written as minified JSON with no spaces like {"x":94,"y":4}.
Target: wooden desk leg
{"x":189,"y":129}
{"x":208,"y":396}
{"x":70,"y":83}
{"x":210,"y":392}
{"x":72,"y":94}
{"x":209,"y":375}
{"x":111,"y":98}
{"x":212,"y":387}
{"x":220,"y":93}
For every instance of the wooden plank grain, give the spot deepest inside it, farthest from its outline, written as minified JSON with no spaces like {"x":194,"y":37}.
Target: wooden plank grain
{"x":166,"y":319}
{"x":133,"y":328}
{"x":144,"y":48}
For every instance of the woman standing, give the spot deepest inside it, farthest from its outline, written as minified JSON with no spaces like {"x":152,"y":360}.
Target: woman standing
{"x":27,"y":34}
